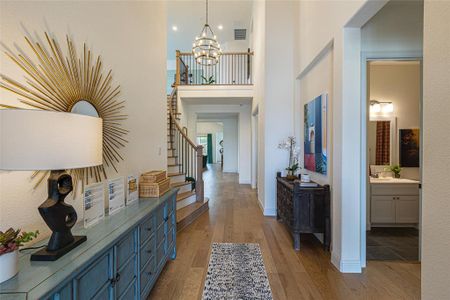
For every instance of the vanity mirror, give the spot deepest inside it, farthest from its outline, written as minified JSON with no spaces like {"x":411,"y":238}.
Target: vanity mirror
{"x":71,"y":83}
{"x":381,"y":138}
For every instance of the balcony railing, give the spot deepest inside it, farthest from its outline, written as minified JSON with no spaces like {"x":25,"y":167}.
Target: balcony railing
{"x":234,"y":68}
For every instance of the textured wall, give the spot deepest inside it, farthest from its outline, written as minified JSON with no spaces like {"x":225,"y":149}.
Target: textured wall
{"x":436,"y":155}
{"x":131,"y":39}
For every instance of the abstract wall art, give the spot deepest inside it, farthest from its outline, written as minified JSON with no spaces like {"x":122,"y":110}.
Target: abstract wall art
{"x":315,"y":135}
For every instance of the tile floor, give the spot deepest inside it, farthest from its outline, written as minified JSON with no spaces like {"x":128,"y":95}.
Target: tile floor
{"x":387,"y":243}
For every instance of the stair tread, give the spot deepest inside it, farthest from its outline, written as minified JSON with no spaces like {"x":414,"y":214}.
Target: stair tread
{"x":182,"y":196}
{"x":180,"y":184}
{"x":186,"y":211}
{"x":174,"y":165}
{"x":175,"y":174}
{"x":172,"y":156}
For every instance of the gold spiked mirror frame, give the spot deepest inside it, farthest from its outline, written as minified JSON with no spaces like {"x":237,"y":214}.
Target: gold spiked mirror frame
{"x":58,"y":82}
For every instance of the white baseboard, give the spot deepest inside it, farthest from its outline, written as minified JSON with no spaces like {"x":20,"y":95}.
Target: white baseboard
{"x":346,"y":266}
{"x":245,"y":181}
{"x":270,"y":212}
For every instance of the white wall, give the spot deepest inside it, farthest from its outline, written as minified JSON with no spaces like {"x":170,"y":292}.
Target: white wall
{"x":273,"y":90}
{"x":398,"y":27}
{"x":230,"y":145}
{"x":436,"y":157}
{"x":214,"y":128}
{"x":129,"y":38}
{"x":241,"y":162}
{"x":399,"y":83}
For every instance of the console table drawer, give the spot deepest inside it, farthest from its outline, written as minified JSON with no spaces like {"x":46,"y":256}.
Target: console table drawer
{"x":146,"y":229}
{"x":148,"y":274}
{"x":95,"y":278}
{"x":125,"y":249}
{"x":147,"y":251}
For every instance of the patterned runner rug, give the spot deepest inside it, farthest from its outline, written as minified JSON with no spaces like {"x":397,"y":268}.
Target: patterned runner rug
{"x":236,"y":271}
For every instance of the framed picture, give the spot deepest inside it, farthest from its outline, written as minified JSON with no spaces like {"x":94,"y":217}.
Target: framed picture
{"x":315,"y":135}
{"x":409,"y":151}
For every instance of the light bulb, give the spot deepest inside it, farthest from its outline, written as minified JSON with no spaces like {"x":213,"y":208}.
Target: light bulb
{"x":387,"y":107}
{"x":375,"y":108}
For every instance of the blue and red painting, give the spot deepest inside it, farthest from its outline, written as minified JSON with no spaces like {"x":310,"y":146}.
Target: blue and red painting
{"x":315,"y":118}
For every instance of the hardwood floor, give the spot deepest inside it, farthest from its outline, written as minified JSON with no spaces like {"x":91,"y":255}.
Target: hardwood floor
{"x":234,"y":216}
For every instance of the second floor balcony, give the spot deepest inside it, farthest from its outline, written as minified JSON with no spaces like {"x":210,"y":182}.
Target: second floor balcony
{"x":233,"y":68}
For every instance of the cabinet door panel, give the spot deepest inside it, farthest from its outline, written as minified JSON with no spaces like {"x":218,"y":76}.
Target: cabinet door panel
{"x":126,"y":275}
{"x":382,"y":209}
{"x":407,"y":209}
{"x":130,"y":293}
{"x":66,"y":293}
{"x":125,"y":249}
{"x":97,"y":277}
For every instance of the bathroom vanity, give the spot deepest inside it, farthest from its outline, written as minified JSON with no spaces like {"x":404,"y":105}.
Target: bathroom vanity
{"x":394,"y":202}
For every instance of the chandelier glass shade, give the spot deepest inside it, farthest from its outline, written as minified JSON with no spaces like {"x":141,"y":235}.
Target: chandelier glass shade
{"x":206,"y":49}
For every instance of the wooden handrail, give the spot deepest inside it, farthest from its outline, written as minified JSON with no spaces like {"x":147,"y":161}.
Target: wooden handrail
{"x":189,"y":156}
{"x":174,"y":120}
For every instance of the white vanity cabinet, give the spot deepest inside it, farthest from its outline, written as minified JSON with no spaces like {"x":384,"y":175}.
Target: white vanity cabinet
{"x":394,"y":203}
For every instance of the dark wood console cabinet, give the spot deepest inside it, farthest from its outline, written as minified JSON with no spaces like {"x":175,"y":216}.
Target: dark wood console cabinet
{"x":304,"y":209}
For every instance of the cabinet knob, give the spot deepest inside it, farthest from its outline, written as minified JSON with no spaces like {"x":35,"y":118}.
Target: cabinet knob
{"x":166,"y":219}
{"x":149,"y":251}
{"x":117,"y":277}
{"x":149,"y":273}
{"x":149,"y":229}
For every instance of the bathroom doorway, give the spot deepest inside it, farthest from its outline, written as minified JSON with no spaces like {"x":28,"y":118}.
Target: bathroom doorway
{"x":393,"y":158}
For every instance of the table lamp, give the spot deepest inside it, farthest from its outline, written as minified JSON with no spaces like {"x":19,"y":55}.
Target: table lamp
{"x":47,"y":140}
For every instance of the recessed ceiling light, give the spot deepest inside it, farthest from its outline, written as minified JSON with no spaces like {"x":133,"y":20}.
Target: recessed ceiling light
{"x":220,"y":27}
{"x":174,"y":28}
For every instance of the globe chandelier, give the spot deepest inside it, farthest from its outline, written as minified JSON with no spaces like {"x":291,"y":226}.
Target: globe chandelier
{"x":206,"y":49}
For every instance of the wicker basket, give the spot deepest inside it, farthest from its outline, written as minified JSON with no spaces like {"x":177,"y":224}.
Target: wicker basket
{"x":153,"y":176}
{"x":153,"y":189}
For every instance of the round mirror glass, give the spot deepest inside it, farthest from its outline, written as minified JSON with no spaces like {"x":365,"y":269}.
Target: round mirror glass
{"x":83,"y":107}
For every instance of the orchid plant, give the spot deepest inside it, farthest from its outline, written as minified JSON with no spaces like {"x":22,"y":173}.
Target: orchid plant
{"x":290,"y":145}
{"x":11,"y":239}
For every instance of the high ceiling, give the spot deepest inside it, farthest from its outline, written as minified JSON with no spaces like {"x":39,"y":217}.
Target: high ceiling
{"x":189,"y":18}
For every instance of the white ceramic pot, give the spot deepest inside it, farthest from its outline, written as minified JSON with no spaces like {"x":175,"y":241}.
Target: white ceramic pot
{"x":9,"y":264}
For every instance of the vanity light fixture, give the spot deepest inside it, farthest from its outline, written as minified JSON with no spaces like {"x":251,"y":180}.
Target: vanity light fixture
{"x":381,"y":107}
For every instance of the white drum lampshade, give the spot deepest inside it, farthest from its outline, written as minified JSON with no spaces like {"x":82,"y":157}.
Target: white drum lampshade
{"x":47,"y":140}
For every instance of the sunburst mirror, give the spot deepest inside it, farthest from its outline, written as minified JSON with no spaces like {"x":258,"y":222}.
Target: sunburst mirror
{"x":71,"y":83}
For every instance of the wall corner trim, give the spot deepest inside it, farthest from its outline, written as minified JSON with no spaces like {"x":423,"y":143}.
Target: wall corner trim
{"x":346,"y":266}
{"x":270,"y":212}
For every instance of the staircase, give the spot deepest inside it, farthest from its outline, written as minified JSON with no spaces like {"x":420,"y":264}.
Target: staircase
{"x":184,"y":167}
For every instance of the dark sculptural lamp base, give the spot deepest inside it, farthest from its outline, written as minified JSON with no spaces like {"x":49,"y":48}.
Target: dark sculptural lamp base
{"x":60,"y":218}
{"x":45,"y":255}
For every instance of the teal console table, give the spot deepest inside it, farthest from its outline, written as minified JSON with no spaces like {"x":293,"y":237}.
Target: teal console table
{"x":121,"y":259}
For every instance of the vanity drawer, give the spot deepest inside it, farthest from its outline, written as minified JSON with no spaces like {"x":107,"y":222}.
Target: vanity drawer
{"x":395,"y":189}
{"x":147,"y":251}
{"x":146,"y":228}
{"x":148,"y":273}
{"x":125,"y":249}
